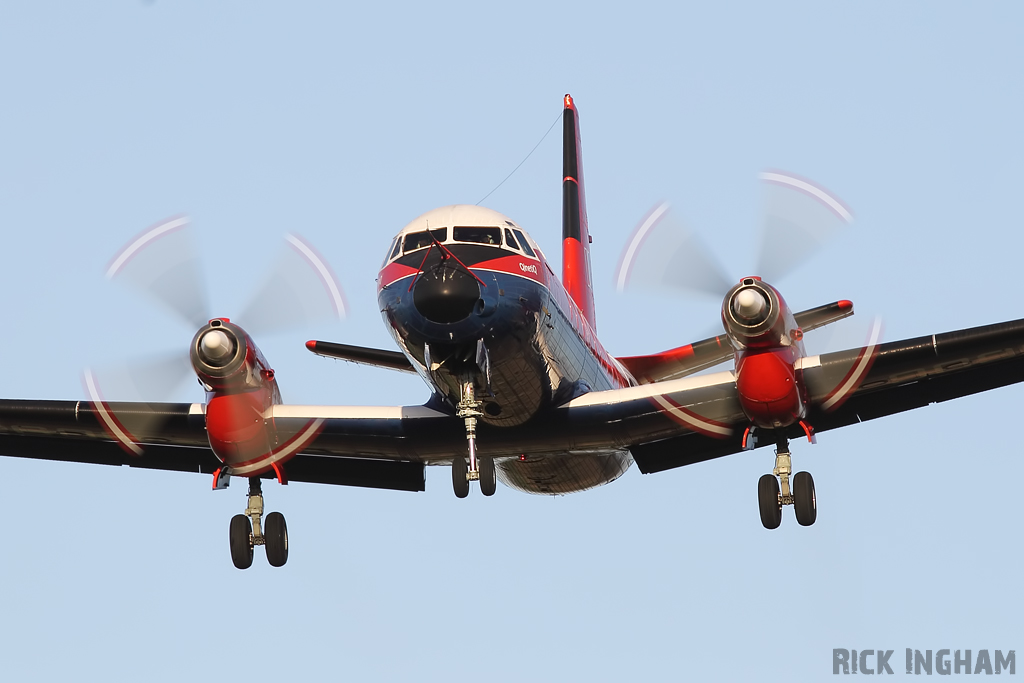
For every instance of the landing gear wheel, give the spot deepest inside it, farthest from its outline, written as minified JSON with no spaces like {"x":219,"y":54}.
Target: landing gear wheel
{"x":488,"y":480}
{"x":768,"y":501}
{"x":804,"y":501}
{"x":460,"y":480}
{"x":275,"y":535}
{"x":241,"y":541}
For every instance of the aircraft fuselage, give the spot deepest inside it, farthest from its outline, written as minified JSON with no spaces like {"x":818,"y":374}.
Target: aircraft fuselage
{"x":499,"y":317}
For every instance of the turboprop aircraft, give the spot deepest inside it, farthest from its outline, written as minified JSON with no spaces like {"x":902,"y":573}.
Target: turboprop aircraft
{"x":522,"y":389}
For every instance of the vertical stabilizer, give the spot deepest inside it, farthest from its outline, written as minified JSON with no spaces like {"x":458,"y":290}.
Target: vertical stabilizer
{"x":575,"y":235}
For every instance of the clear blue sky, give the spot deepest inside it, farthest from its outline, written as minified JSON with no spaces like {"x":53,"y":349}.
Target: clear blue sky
{"x":343,"y":122}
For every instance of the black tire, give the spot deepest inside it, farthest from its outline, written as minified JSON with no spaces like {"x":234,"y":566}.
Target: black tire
{"x":488,"y":479}
{"x":240,"y":537}
{"x":804,"y":500}
{"x":275,"y":537}
{"x":769,"y":502}
{"x":459,"y":480}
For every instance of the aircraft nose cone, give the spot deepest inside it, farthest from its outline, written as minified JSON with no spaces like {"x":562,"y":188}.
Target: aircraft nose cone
{"x":445,"y":294}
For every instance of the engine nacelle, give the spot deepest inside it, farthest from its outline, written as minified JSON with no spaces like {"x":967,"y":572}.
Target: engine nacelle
{"x":768,"y":387}
{"x":768,"y":345}
{"x":240,"y":390}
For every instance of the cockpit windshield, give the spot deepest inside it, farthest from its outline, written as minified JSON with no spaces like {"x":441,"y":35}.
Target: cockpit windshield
{"x":510,"y":239}
{"x":419,"y":240}
{"x":479,"y":235}
{"x":514,"y":239}
{"x":524,"y":244}
{"x":391,"y":252}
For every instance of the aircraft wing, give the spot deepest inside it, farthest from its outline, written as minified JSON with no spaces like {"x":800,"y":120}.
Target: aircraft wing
{"x":351,"y":446}
{"x":663,"y":424}
{"x":862,"y":384}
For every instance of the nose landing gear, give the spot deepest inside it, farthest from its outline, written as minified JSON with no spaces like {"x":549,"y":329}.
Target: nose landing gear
{"x":480,"y":468}
{"x":773,"y":491}
{"x":248,"y":531}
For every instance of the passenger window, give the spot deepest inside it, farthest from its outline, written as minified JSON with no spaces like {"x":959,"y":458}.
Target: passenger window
{"x":478,"y":235}
{"x":419,"y":240}
{"x":510,"y":240}
{"x":525,"y":244}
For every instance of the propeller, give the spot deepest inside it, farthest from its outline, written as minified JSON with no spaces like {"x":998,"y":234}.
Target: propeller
{"x":163,"y":263}
{"x":798,"y":218}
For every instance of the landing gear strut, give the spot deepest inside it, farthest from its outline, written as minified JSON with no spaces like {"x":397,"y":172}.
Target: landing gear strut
{"x":773,"y":491}
{"x":480,"y":468}
{"x":247,"y":531}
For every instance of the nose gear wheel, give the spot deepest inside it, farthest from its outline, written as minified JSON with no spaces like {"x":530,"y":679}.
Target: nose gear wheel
{"x":805,"y":503}
{"x":479,"y":468}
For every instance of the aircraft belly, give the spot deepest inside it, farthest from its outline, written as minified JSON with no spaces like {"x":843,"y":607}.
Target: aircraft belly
{"x":561,"y":473}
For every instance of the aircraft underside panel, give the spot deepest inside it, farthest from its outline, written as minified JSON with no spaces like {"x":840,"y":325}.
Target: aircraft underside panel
{"x":560,"y":473}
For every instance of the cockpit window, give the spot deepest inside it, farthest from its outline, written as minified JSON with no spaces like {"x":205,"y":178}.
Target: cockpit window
{"x":389,"y":254}
{"x":397,"y":250}
{"x":479,"y":235}
{"x":510,"y":239}
{"x":419,"y":240}
{"x":525,"y":245}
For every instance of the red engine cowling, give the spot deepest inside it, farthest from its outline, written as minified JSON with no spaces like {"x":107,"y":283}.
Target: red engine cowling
{"x":241,"y":389}
{"x":768,"y":345}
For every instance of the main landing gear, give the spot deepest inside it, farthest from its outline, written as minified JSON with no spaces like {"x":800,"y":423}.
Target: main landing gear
{"x":771,"y":498}
{"x":479,"y":468}
{"x":246,"y":531}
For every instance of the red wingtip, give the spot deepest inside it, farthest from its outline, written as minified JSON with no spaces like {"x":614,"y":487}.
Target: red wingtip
{"x":568,"y":101}
{"x":844,"y":304}
{"x":311,"y":345}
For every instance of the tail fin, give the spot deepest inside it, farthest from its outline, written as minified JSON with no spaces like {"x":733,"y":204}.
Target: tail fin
{"x":575,"y":235}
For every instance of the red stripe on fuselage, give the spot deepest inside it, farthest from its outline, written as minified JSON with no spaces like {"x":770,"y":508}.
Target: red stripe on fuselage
{"x":515,"y":265}
{"x":393,"y":272}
